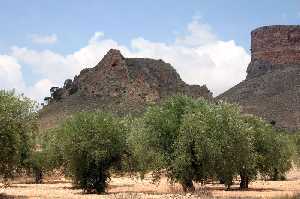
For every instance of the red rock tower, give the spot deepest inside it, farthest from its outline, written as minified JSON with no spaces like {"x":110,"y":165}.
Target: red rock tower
{"x":272,"y":48}
{"x":279,"y":44}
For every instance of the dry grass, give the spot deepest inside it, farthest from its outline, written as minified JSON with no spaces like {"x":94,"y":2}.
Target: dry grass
{"x":132,"y":188}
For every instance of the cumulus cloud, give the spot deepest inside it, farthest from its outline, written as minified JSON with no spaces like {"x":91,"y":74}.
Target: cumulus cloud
{"x":198,"y":56}
{"x":10,"y":73}
{"x":198,"y":34}
{"x":219,"y":64}
{"x":39,"y":90}
{"x":43,"y":39}
{"x":11,"y":78}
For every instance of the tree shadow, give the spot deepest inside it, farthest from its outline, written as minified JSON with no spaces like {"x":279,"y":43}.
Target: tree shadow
{"x":237,"y":189}
{"x":5,"y":196}
{"x":118,"y":186}
{"x":17,"y":186}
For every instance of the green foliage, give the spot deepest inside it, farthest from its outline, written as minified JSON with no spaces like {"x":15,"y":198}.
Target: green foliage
{"x":237,"y":151}
{"x":48,"y":154}
{"x":215,"y":143}
{"x":273,"y":149}
{"x":93,"y":143}
{"x":188,"y":140}
{"x":153,"y":137}
{"x":195,"y":148}
{"x":295,"y":142}
{"x":17,"y":128}
{"x":195,"y":140}
{"x":52,"y":144}
{"x":37,"y":162}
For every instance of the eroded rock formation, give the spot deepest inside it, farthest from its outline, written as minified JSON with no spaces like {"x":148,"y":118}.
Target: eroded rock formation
{"x":117,"y":84}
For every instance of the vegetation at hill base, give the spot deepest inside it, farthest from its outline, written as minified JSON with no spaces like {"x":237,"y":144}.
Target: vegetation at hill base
{"x":188,"y":140}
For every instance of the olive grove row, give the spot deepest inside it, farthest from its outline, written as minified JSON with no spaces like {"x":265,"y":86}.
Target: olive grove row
{"x":188,"y":140}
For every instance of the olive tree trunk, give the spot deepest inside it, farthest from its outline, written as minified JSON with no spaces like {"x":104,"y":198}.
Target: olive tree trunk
{"x":188,"y":186}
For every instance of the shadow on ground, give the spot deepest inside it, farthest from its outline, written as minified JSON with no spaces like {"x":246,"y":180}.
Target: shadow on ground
{"x":5,"y":196}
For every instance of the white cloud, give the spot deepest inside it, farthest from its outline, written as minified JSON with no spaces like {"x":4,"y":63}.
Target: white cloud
{"x":11,"y":78}
{"x":96,"y":37}
{"x":220,"y":65}
{"x":199,"y":57}
{"x":39,"y":90}
{"x":198,"y":34}
{"x":10,"y":73}
{"x":43,"y":39}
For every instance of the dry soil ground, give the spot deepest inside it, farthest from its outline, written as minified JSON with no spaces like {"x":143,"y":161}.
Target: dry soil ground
{"x":132,"y":188}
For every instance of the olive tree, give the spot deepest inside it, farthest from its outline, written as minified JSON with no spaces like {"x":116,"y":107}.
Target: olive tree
{"x":295,"y":140}
{"x":237,"y":155}
{"x":196,"y":147}
{"x":48,"y":155}
{"x":153,"y":138}
{"x":199,"y":141}
{"x":273,"y":149}
{"x":94,"y":143}
{"x":17,"y":127}
{"x":214,"y":143}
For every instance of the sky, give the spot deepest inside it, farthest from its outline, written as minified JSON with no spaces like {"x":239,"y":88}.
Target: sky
{"x":42,"y":43}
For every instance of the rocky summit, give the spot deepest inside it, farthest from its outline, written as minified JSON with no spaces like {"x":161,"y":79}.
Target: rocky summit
{"x":119,"y":85}
{"x":272,"y":86}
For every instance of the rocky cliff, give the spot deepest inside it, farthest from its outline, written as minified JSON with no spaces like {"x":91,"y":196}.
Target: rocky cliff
{"x":272,"y":86}
{"x":117,"y":84}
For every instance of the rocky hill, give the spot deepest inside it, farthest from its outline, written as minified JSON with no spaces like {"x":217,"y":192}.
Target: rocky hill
{"x":117,"y":84}
{"x":272,"y":87}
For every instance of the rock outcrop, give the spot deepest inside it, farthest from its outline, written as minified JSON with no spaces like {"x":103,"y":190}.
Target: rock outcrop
{"x":272,"y":86}
{"x":117,"y":84}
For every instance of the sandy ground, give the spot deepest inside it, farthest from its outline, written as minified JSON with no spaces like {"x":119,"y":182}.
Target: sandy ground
{"x":133,"y":188}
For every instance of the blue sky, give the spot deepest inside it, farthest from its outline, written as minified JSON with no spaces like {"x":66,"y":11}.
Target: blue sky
{"x":39,"y":35}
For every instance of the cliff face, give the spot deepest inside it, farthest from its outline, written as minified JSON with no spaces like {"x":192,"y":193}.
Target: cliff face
{"x":272,"y":87}
{"x":117,"y":84}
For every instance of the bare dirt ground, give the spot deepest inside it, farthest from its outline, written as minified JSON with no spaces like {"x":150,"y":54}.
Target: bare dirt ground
{"x":133,"y":188}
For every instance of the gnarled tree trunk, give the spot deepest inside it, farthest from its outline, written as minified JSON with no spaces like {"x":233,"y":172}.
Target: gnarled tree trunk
{"x":244,"y":184}
{"x":188,"y":186}
{"x":38,"y":173}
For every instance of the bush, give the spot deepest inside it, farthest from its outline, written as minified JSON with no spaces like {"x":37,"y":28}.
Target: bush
{"x":93,"y":144}
{"x":17,"y":129}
